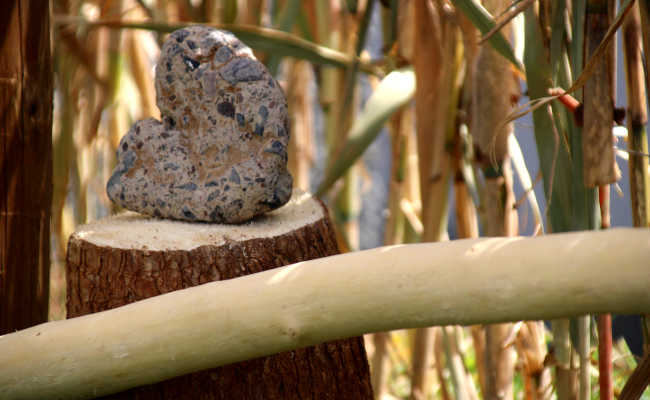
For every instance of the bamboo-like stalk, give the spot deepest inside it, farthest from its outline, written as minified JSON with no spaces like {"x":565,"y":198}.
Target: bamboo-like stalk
{"x":252,"y":14}
{"x":323,"y":299}
{"x":467,"y":376}
{"x":455,"y":373}
{"x":63,"y":152}
{"x":478,"y":339}
{"x":494,"y":88}
{"x":463,"y":384}
{"x":604,"y":327}
{"x":635,"y":27}
{"x":117,"y":120}
{"x":637,"y":118}
{"x":394,"y":229}
{"x":427,"y":62}
{"x":438,"y":354}
{"x":466,"y":212}
{"x":644,"y":10}
{"x":564,"y":374}
{"x":64,"y":157}
{"x":436,"y":111}
{"x":582,"y":348}
{"x":400,"y":129}
{"x":142,"y":74}
{"x":379,"y":364}
{"x":300,"y":100}
{"x":421,"y":360}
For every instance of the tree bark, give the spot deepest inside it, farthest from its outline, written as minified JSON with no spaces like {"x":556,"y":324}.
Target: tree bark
{"x":105,"y":271}
{"x":25,"y":163}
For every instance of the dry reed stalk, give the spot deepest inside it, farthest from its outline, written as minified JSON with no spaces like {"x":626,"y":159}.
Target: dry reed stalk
{"x":92,"y":99}
{"x":400,"y":127}
{"x":644,"y":10}
{"x":478,"y":340}
{"x":637,"y":118}
{"x":380,"y":364}
{"x":300,"y":100}
{"x":435,"y":158}
{"x":605,"y":378}
{"x":348,"y":202}
{"x":116,"y":116}
{"x":566,"y":374}
{"x":252,"y":11}
{"x":463,"y":383}
{"x":406,"y":42}
{"x":635,"y":27}
{"x":427,"y":59}
{"x":335,"y":27}
{"x":438,"y":351}
{"x":495,"y":90}
{"x":501,"y":220}
{"x":466,"y":217}
{"x":63,"y":151}
{"x":582,"y":352}
{"x":142,"y":73}
{"x":466,"y":212}
{"x":64,"y":156}
{"x":469,"y":380}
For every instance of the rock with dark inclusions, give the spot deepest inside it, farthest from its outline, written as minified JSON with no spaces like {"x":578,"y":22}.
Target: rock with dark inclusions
{"x":220,"y":152}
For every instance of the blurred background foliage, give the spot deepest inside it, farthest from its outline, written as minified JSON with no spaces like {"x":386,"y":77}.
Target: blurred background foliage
{"x":415,"y":120}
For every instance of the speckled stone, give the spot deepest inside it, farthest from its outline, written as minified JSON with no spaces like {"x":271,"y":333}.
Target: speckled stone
{"x":220,"y":152}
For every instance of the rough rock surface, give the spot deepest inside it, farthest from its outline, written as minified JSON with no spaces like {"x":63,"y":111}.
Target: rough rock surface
{"x":220,"y":152}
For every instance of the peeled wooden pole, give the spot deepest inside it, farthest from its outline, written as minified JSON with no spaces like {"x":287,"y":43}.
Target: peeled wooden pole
{"x":406,"y":286}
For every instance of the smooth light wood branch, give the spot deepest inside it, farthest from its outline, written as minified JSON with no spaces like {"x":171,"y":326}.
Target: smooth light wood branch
{"x":459,"y":282}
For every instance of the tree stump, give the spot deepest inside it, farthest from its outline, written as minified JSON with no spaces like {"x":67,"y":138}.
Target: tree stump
{"x":130,"y":257}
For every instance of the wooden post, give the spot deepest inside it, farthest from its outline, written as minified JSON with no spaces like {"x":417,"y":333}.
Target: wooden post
{"x":130,"y":257}
{"x":25,"y":163}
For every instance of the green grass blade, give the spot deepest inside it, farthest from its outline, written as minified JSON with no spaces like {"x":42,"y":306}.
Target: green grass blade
{"x":394,"y":91}
{"x":577,"y":40}
{"x":483,"y":21}
{"x":553,"y":155}
{"x":557,"y":37}
{"x":263,"y":39}
{"x":570,"y":205}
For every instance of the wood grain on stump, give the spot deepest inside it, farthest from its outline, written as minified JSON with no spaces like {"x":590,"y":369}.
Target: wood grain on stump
{"x":123,"y":259}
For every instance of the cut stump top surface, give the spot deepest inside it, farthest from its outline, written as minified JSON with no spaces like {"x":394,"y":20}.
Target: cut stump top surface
{"x":129,"y":230}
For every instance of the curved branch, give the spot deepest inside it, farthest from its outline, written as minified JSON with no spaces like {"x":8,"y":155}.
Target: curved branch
{"x":459,"y":282}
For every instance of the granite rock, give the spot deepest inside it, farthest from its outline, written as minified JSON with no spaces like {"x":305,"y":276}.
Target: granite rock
{"x":220,"y":152}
